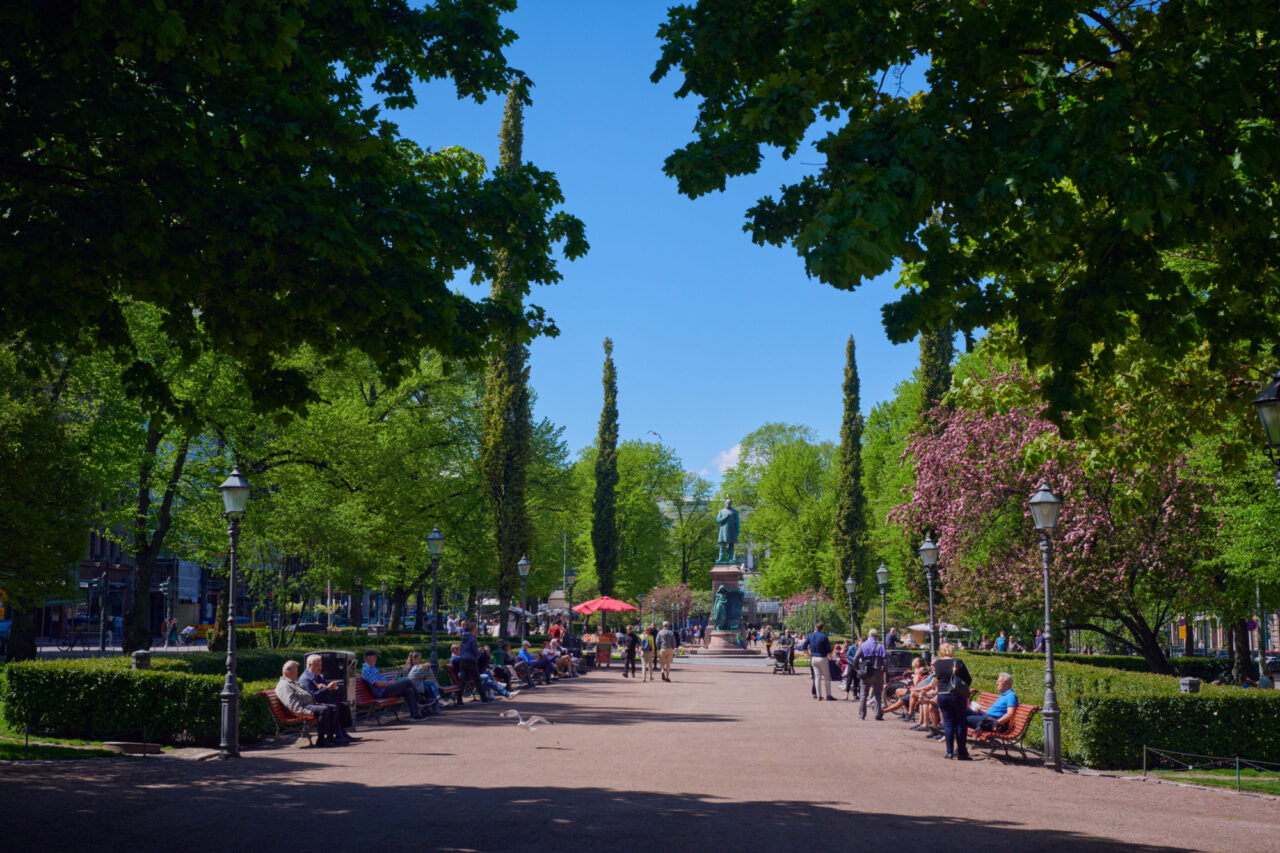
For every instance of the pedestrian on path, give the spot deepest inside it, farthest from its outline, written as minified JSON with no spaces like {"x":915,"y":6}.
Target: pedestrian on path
{"x":666,"y":649}
{"x":952,"y":679}
{"x":870,"y":661}
{"x":819,"y":645}
{"x":648,"y":651}
{"x":630,"y":645}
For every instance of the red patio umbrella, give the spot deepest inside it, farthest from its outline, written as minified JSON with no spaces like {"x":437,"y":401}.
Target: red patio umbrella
{"x":603,"y":603}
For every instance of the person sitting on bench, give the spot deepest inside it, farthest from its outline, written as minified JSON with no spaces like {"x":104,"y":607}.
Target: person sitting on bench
{"x":997,"y":717}
{"x":537,"y":662}
{"x":383,"y":689}
{"x":327,"y":693}
{"x":296,"y":698}
{"x":426,"y":687}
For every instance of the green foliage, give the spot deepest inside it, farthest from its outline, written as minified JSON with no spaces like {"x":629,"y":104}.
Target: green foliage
{"x":44,"y":487}
{"x":505,"y":447}
{"x":604,"y":525}
{"x":221,"y":162}
{"x":1052,"y":183}
{"x":1207,"y":669}
{"x":104,"y":700}
{"x":849,"y":528}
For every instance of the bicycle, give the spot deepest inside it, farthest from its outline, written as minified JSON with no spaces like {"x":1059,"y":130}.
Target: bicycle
{"x":72,"y":639}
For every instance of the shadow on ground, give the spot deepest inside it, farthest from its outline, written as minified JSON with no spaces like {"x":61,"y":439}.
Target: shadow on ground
{"x":259,"y":803}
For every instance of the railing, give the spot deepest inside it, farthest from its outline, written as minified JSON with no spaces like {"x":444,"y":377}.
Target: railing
{"x":1206,"y":762}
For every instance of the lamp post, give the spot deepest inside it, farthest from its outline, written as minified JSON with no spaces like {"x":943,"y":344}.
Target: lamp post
{"x":523,"y":567}
{"x":435,"y":543}
{"x":851,"y":587}
{"x":1045,"y":506}
{"x":929,"y":556}
{"x":882,"y":578}
{"x":103,"y":584}
{"x":653,"y":610}
{"x":1268,"y":406}
{"x":570,"y":581}
{"x":235,"y":496}
{"x":813,"y":611}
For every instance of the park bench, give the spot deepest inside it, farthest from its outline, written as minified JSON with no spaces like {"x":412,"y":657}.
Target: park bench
{"x":367,"y":703}
{"x":456,"y":687}
{"x":286,"y":720}
{"x":1016,"y":729}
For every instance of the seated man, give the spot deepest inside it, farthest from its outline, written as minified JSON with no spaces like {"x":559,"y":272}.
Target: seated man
{"x":389,"y":688}
{"x":536,"y":662}
{"x":296,"y":698}
{"x":1001,"y":711}
{"x":326,"y":693}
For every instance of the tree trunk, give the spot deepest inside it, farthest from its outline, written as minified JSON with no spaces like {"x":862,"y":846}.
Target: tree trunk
{"x":218,"y":637}
{"x":1242,"y":666}
{"x":357,"y":606}
{"x":22,"y":634}
{"x":399,"y":598}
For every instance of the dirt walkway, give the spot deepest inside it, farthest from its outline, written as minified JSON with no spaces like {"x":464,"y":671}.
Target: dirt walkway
{"x":725,"y":758}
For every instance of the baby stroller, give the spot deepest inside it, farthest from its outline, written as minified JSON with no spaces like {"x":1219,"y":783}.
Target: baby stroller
{"x":784,"y":660}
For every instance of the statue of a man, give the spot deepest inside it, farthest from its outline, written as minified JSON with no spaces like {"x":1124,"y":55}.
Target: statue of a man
{"x":727,"y":519}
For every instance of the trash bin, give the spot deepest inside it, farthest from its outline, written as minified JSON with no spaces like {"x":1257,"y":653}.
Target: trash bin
{"x":339,"y":666}
{"x":142,"y":659}
{"x":1189,"y":685}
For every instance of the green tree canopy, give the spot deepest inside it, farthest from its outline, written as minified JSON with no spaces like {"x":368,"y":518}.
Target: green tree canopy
{"x":1061,"y":158}
{"x":220,"y":161}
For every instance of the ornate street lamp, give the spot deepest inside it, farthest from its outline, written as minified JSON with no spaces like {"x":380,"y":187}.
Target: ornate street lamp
{"x":882,"y":578}
{"x":435,"y":544}
{"x":1045,"y":506}
{"x":523,"y":567}
{"x":929,"y":556}
{"x":235,"y":497}
{"x":1268,"y":405}
{"x":851,"y":587}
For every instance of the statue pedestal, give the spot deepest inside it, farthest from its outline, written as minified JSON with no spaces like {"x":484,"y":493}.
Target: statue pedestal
{"x":723,"y":640}
{"x":729,"y":574}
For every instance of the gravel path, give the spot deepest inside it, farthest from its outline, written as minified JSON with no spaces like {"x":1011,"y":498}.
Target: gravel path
{"x":724,"y":758}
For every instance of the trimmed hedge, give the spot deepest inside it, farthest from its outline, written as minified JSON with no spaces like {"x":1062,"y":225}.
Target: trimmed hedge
{"x":1206,"y":669}
{"x":1109,"y":714}
{"x":356,"y":640}
{"x":102,"y":699}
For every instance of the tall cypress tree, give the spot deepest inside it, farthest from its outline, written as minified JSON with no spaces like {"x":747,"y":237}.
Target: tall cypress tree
{"x":506,"y":446}
{"x":604,"y":511}
{"x":937,"y":348}
{"x":849,"y":534}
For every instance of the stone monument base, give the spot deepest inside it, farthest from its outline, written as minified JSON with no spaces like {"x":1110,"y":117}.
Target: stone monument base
{"x":721,"y":640}
{"x":735,"y":652}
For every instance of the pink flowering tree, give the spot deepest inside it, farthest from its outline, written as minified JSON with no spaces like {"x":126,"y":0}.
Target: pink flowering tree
{"x":1128,"y":547}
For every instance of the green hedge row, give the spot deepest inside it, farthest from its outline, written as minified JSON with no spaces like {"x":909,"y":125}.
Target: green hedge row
{"x":102,"y":699}
{"x":357,"y":640}
{"x":1206,"y":669}
{"x":1109,"y":714}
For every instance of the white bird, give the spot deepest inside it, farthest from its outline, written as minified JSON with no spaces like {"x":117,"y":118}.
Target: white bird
{"x":528,"y":725}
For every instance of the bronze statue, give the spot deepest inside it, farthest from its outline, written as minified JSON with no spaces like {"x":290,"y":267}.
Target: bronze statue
{"x":726,"y":609}
{"x":727,"y":519}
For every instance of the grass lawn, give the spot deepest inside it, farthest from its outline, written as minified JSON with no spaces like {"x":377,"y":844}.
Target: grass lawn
{"x":1225,"y":777}
{"x":11,"y":751}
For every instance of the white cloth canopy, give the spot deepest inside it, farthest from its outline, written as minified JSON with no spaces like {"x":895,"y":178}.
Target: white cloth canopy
{"x":945,"y":627}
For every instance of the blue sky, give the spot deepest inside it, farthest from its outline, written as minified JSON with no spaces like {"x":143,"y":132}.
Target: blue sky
{"x":713,"y":336}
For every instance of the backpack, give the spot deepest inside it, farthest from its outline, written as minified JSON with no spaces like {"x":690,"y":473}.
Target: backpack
{"x":645,"y":645}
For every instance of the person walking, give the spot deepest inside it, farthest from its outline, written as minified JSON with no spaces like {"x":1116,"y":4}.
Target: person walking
{"x":648,"y":652}
{"x":767,"y":636}
{"x":952,"y":680}
{"x":870,"y":661}
{"x":851,"y":685}
{"x":630,"y":644}
{"x":666,"y":649}
{"x":819,"y":651}
{"x":469,"y":661}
